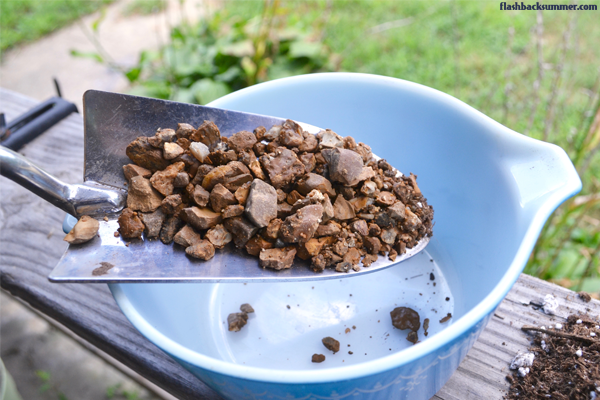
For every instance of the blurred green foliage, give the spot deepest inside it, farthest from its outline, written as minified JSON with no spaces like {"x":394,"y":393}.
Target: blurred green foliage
{"x":27,"y":20}
{"x":205,"y":61}
{"x":144,"y":7}
{"x":537,"y":73}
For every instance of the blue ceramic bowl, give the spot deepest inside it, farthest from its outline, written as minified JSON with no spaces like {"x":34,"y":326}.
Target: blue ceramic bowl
{"x":492,"y":190}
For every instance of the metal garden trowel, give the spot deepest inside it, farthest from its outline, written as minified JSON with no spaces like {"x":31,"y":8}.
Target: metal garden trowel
{"x":111,"y":122}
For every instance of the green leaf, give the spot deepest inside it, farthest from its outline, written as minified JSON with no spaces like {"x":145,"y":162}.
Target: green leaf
{"x":43,"y":375}
{"x":207,"y":90}
{"x":96,"y":23}
{"x":300,"y":49}
{"x":94,"y":56}
{"x":248,"y":66}
{"x":133,"y":74}
{"x":229,"y":75}
{"x":184,"y":96}
{"x":591,"y":285}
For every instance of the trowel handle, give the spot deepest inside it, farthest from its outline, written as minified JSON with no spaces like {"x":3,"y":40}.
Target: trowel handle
{"x":76,"y":200}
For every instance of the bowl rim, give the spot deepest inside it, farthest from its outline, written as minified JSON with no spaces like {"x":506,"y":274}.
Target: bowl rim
{"x":456,"y":330}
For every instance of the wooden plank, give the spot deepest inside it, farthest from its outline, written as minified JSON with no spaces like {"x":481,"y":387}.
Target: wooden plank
{"x":32,"y":244}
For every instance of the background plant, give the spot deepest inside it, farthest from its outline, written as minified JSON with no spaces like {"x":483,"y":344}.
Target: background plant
{"x":221,"y":54}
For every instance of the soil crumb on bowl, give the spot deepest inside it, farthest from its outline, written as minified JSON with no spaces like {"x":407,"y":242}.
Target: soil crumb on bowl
{"x":565,"y":365}
{"x":237,"y":321}
{"x":331,"y":344}
{"x":318,"y":358}
{"x":407,"y":318}
{"x":247,"y":308}
{"x":277,"y":193}
{"x":446,"y":318}
{"x":102,"y":269}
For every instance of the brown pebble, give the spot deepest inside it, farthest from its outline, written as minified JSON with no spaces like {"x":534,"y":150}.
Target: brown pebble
{"x":347,"y":330}
{"x":331,"y":344}
{"x":247,"y":308}
{"x":585,"y":296}
{"x":318,"y":358}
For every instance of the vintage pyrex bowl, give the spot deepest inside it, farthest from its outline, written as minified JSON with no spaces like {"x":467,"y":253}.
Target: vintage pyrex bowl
{"x":492,"y":190}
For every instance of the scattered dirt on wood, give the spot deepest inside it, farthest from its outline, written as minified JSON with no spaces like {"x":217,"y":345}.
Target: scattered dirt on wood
{"x":564,"y":368}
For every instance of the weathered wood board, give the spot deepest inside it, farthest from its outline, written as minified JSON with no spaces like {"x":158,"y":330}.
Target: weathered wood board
{"x":31,"y":244}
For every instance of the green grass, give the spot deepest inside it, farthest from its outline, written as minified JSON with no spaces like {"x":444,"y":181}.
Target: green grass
{"x":23,"y":21}
{"x":489,"y":59}
{"x":144,"y":7}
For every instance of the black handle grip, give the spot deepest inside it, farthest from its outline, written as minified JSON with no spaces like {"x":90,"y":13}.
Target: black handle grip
{"x":34,"y":122}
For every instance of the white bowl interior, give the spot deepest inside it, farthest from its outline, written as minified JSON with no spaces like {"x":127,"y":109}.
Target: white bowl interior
{"x":487,"y":184}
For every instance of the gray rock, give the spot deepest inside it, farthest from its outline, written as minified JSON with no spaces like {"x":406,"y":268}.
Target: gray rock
{"x":261,"y":205}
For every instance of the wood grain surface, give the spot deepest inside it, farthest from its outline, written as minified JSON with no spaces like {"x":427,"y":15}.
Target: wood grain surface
{"x":31,"y":244}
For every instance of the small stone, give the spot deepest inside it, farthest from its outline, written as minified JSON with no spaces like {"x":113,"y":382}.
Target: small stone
{"x":318,"y":358}
{"x":130,"y":225}
{"x":256,"y":244}
{"x":169,"y":229}
{"x":207,"y":133}
{"x":237,"y":321}
{"x":405,"y":318}
{"x":331,"y":139}
{"x":84,"y":230}
{"x":278,"y":258}
{"x":247,"y":308}
{"x":131,"y":170}
{"x":142,"y":196}
{"x":163,"y":180}
{"x":235,"y":182}
{"x":282,"y":166}
{"x":345,"y":166}
{"x":342,"y":209}
{"x":187,"y":237}
{"x":199,"y":150}
{"x":153,"y":222}
{"x":522,"y":360}
{"x":372,"y":244}
{"x":241,"y":229}
{"x":311,"y":181}
{"x":242,"y":140}
{"x":232,"y":211}
{"x":162,"y":137}
{"x":411,"y":222}
{"x":272,"y":231}
{"x":181,"y":180}
{"x":301,"y":226}
{"x":200,"y":196}
{"x":202,"y":218}
{"x":241,"y":194}
{"x":360,"y":227}
{"x":331,"y":344}
{"x":203,"y":250}
{"x":184,"y":130}
{"x":585,"y":296}
{"x":331,"y":228}
{"x":172,"y":150}
{"x":172,"y":204}
{"x":220,"y":198}
{"x":145,"y":155}
{"x":261,"y":205}
{"x":385,"y":198}
{"x":397,"y":211}
{"x":218,"y":236}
